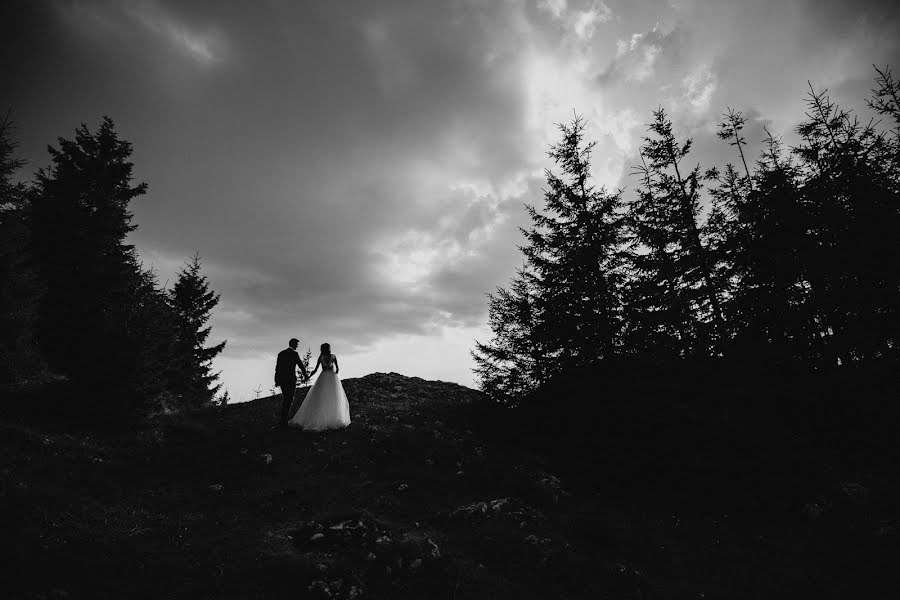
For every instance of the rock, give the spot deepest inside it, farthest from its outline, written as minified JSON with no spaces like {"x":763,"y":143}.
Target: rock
{"x":471,"y":509}
{"x":856,"y":492}
{"x":316,"y":536}
{"x":550,"y":486}
{"x":320,"y":586}
{"x":435,"y":552}
{"x":498,"y":504}
{"x":814,"y":510}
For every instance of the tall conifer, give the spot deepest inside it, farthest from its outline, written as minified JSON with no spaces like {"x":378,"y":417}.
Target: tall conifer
{"x":79,"y":219}
{"x":676,"y":294}
{"x":574,"y":247}
{"x":850,"y":192}
{"x":507,"y":367}
{"x":564,"y":308}
{"x":19,"y":291}
{"x":192,"y":299}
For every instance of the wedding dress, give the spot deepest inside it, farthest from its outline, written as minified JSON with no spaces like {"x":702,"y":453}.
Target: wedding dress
{"x":325,"y":405}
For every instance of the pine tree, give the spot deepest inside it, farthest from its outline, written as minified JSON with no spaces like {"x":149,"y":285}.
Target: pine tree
{"x":152,"y":320}
{"x":851,"y":193}
{"x":729,"y":193}
{"x":191,"y":376}
{"x":507,"y":366}
{"x":766,"y":249}
{"x":78,"y":219}
{"x":19,"y":292}
{"x":564,"y":307}
{"x":659,"y":318}
{"x":574,"y":248}
{"x":674,"y":298}
{"x":730,"y":130}
{"x":885,"y":100}
{"x":306,"y":358}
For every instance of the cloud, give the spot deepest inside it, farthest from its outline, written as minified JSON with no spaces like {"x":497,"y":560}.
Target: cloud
{"x":585,"y":21}
{"x":699,"y":86}
{"x":581,"y":21}
{"x":356,"y":172}
{"x":204,"y":47}
{"x":556,"y":8}
{"x":637,"y":56}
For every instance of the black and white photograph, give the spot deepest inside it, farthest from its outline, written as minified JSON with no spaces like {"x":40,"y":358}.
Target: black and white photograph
{"x":449,"y":299}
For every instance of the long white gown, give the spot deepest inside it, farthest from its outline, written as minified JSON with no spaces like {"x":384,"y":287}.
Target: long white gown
{"x":325,"y":405}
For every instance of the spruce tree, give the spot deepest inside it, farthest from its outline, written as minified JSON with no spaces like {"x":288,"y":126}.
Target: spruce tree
{"x":564,"y":308}
{"x":675,"y":290}
{"x":765,"y":249}
{"x":90,"y":324}
{"x":19,"y":357}
{"x":507,"y":366}
{"x":192,"y":301}
{"x":660,"y":321}
{"x":574,"y":248}
{"x":850,"y":191}
{"x":885,"y":101}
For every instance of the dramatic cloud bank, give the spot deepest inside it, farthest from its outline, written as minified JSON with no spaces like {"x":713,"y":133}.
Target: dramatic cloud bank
{"x":356,"y":171}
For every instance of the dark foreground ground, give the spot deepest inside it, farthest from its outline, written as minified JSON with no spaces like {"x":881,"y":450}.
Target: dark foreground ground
{"x":428,"y":494}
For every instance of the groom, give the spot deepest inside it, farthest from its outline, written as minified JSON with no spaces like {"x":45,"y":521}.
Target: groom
{"x":286,"y":376}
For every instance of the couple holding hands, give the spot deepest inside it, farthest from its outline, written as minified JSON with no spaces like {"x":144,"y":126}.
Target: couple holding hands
{"x":325,"y":405}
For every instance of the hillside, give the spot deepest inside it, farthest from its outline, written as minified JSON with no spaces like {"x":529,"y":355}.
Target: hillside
{"x":429,"y":494}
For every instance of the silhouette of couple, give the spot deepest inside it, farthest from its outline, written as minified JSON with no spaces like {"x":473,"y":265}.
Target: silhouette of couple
{"x":325,"y":405}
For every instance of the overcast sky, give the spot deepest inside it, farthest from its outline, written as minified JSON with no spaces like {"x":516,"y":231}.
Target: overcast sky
{"x":355,"y":172}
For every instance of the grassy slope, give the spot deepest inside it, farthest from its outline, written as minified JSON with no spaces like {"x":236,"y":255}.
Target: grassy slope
{"x":428,"y":495}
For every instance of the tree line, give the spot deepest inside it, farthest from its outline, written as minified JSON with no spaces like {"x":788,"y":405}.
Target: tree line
{"x":77,"y":305}
{"x":787,"y":264}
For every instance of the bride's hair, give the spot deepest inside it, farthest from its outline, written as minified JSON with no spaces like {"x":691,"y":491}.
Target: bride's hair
{"x":325,"y":348}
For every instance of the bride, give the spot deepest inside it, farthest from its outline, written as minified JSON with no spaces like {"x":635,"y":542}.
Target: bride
{"x":325,"y":405}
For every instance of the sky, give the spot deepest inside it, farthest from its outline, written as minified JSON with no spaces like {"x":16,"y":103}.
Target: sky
{"x":356,"y":172}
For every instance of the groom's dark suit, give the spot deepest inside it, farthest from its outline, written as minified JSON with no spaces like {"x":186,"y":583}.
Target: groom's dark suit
{"x":286,"y":378}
